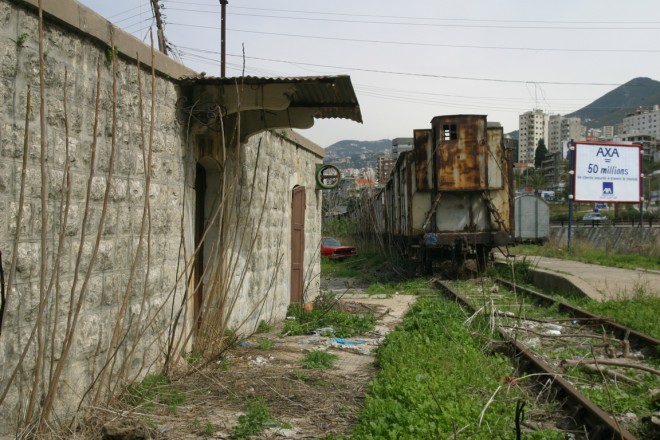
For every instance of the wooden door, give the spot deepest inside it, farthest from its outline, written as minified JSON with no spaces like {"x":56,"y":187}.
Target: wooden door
{"x":297,"y":243}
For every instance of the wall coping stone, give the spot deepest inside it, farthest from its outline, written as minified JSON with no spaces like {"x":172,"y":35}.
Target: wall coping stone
{"x":83,"y":20}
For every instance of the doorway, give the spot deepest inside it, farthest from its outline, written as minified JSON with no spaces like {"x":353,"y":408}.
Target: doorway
{"x":208,"y":198}
{"x":297,"y":243}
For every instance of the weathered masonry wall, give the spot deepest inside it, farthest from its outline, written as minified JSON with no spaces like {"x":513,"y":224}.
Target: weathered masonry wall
{"x":89,"y":296}
{"x":282,"y":164}
{"x":104,"y":295}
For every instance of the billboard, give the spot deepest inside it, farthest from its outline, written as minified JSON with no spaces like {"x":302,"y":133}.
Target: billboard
{"x":607,"y":172}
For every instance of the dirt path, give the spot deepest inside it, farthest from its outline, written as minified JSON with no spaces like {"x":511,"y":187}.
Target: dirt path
{"x":310,"y":403}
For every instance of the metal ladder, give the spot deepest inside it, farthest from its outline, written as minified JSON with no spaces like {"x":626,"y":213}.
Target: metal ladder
{"x":494,"y":212}
{"x":434,"y":207}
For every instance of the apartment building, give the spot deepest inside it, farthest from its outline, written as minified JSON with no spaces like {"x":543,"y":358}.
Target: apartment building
{"x":644,"y":121}
{"x":533,"y":126}
{"x":561,"y":129}
{"x":643,"y":127}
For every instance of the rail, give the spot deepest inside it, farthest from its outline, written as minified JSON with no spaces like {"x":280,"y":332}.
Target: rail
{"x":600,"y":425}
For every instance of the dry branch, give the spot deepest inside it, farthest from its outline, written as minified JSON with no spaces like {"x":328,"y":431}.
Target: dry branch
{"x":614,"y":363}
{"x":600,"y":370}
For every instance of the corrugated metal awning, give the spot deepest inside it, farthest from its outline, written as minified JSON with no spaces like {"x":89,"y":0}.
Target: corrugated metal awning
{"x":268,"y":103}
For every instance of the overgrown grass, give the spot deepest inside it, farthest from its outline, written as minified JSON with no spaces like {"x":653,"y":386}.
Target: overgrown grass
{"x":155,"y":389}
{"x":413,"y":286}
{"x":256,"y":418}
{"x":584,"y":252}
{"x":361,"y":266}
{"x":638,"y":311}
{"x":327,"y":315}
{"x":263,"y":327}
{"x":434,"y":382}
{"x":319,"y":360}
{"x":264,"y":344}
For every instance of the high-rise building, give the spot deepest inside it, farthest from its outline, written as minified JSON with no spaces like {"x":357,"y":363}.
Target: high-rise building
{"x":643,"y":127}
{"x":385,"y":166}
{"x":644,"y":121}
{"x":533,"y":126}
{"x":399,"y":145}
{"x":562,"y":129}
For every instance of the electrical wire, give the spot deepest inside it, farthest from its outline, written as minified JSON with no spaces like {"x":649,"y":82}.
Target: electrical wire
{"x":448,"y":25}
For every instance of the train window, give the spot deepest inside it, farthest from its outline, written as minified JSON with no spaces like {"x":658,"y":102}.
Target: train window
{"x":449,"y":132}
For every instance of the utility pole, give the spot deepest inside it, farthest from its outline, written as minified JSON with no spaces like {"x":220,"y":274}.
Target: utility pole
{"x":159,"y":25}
{"x":223,"y":31}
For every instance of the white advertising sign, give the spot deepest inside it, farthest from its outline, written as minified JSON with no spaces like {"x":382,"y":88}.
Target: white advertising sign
{"x":607,"y":173}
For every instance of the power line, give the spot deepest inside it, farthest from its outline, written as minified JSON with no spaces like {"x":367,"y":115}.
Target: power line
{"x":457,"y":46}
{"x":403,"y":43}
{"x":614,"y":21}
{"x":422,"y":97}
{"x":427,"y":75}
{"x":607,"y":27}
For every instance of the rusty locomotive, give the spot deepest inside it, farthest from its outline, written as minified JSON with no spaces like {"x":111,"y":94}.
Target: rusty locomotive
{"x":451,"y":197}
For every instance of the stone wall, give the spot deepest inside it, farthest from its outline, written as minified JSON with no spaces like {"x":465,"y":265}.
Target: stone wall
{"x":282,"y":165}
{"x":116,"y":311}
{"x":73,"y":291}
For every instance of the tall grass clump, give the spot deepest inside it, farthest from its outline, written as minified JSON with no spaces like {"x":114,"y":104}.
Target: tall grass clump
{"x":429,"y":385}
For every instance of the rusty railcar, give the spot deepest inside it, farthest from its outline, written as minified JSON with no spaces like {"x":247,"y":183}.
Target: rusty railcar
{"x":451,"y":197}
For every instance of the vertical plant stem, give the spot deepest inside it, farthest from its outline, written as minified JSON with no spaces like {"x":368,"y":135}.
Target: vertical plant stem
{"x":2,"y":293}
{"x":70,"y":336}
{"x":14,"y":256}
{"x":113,"y":141}
{"x":36,"y":384}
{"x":65,"y":203}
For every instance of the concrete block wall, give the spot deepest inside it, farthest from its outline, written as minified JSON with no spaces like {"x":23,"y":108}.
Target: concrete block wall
{"x":76,"y":43}
{"x":284,"y":163}
{"x":71,"y":60}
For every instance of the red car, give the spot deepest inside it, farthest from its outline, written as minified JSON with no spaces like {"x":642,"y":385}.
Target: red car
{"x":332,"y":248}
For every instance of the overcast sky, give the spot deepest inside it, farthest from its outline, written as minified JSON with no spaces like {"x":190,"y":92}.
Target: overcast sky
{"x":412,"y":60}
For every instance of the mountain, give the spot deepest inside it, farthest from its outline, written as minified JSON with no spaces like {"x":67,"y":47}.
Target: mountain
{"x":611,"y":108}
{"x":356,"y":154}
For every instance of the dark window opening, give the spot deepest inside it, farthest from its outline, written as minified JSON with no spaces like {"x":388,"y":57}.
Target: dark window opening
{"x":449,"y":132}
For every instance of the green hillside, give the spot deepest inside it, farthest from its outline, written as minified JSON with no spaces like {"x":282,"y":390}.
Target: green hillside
{"x":356,"y":154}
{"x":611,"y":108}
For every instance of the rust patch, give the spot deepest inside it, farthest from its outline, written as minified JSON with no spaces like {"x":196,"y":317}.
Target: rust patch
{"x":461,"y":152}
{"x":422,"y":153}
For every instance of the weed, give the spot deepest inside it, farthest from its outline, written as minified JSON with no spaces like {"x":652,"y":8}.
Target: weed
{"x":256,"y":418}
{"x":428,"y":385}
{"x":193,"y":358}
{"x":264,"y":344}
{"x":639,"y":311}
{"x":21,"y":39}
{"x":110,"y":54}
{"x":155,"y":388}
{"x":300,"y":375}
{"x":412,"y":286}
{"x":520,"y":270}
{"x":207,"y":430}
{"x":581,"y":250}
{"x":225,"y":364}
{"x":263,"y":327}
{"x":318,"y":359}
{"x":326,"y":314}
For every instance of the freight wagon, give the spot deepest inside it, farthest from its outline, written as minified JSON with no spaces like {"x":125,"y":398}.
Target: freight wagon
{"x":451,"y":197}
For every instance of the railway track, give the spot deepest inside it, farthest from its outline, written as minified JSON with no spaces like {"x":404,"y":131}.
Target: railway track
{"x":552,"y":341}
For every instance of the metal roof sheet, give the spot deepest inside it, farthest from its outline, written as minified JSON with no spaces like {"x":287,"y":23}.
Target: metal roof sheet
{"x":324,"y":96}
